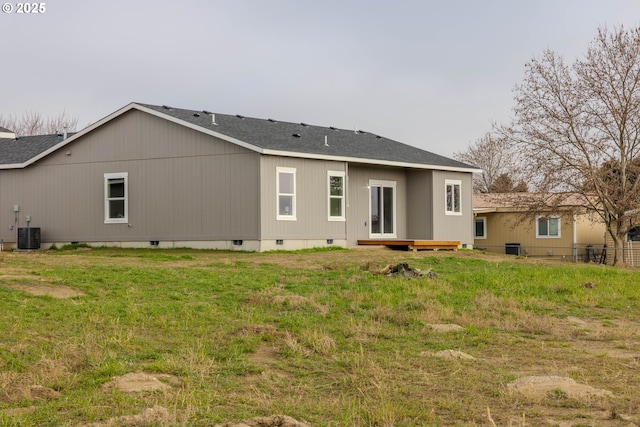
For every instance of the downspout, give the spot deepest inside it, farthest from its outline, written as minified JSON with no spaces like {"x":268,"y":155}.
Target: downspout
{"x":575,"y":239}
{"x":346,"y":201}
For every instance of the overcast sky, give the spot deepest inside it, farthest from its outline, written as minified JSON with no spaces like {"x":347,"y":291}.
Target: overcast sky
{"x":433,"y":74}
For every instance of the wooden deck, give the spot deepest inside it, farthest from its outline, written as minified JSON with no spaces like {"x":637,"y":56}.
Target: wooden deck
{"x":414,"y":245}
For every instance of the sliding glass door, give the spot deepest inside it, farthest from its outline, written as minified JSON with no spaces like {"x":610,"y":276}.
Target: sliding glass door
{"x":382,"y":211}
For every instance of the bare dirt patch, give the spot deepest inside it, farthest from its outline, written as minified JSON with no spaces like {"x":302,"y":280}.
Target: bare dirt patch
{"x":273,"y":421}
{"x":539,"y":387}
{"x":265,"y":355}
{"x":61,"y":292}
{"x":17,"y":392}
{"x":445,"y":327}
{"x":451,"y":354}
{"x":156,"y":416}
{"x":140,"y":381}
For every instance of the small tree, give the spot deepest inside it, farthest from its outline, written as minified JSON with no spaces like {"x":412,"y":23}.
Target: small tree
{"x":31,"y":123}
{"x":504,"y":184}
{"x":579,"y":127}
{"x":494,"y":154}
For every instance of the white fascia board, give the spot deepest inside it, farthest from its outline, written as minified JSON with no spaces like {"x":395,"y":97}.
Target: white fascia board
{"x":368,"y":161}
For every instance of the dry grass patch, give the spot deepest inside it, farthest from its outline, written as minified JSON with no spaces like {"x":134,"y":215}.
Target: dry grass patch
{"x":158,"y":416}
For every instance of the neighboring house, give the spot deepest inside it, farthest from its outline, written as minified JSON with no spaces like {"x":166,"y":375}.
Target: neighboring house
{"x":6,"y":133}
{"x":630,"y":252}
{"x":160,"y":176}
{"x":503,"y":224}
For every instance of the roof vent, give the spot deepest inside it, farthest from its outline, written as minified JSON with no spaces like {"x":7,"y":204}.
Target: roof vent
{"x":213,"y":119}
{"x":239,"y":116}
{"x":304,"y":124}
{"x":333,"y":128}
{"x":166,"y":107}
{"x":206,"y":112}
{"x":272,"y":121}
{"x":361,"y":132}
{"x":296,"y":135}
{"x":196,"y":114}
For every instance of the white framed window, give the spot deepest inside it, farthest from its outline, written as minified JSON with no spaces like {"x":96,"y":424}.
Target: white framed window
{"x":286,"y":189}
{"x":116,"y":198}
{"x":336,"y":185}
{"x":480,"y":227}
{"x":548,"y":227}
{"x":453,"y":197}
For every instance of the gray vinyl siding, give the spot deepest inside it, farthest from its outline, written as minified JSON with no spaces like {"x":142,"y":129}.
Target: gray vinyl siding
{"x":183,"y":185}
{"x":312,"y":211}
{"x":420,"y":208}
{"x":452,"y":227}
{"x":359,"y":200}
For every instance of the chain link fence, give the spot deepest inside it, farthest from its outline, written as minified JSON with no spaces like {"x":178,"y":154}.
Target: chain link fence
{"x":577,"y":253}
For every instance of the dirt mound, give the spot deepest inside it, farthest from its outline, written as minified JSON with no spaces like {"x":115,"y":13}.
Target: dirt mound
{"x":138,"y":381}
{"x":61,"y":292}
{"x":273,"y":421}
{"x":453,"y":354}
{"x":540,"y":387}
{"x":156,"y":416}
{"x":445,"y":327}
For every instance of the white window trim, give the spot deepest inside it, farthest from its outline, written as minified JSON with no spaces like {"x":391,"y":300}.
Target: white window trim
{"x":343,"y":197}
{"x":390,"y":184}
{"x":107,"y":177}
{"x":484,"y":227}
{"x":538,"y":236}
{"x":448,"y":182}
{"x":294,"y":212}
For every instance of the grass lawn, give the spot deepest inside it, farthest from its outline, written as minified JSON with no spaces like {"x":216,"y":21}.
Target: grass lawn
{"x":319,"y":336}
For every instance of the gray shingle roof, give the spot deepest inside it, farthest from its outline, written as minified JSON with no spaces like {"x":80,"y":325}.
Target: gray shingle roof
{"x":306,"y":139}
{"x":265,"y":135}
{"x":5,"y":130}
{"x":16,"y":151}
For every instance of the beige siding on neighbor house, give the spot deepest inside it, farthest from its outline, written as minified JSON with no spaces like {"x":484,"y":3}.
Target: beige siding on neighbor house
{"x":508,"y":227}
{"x":311,"y":200}
{"x":590,"y":230}
{"x":629,"y":253}
{"x":183,"y":185}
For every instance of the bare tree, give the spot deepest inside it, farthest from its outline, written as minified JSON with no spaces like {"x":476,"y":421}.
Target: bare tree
{"x":32,"y":123}
{"x":579,"y":127}
{"x":494,"y":154}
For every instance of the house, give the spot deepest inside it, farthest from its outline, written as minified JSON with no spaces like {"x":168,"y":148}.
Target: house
{"x":630,"y":251}
{"x":6,"y":133}
{"x":503,"y":223}
{"x":151,"y":175}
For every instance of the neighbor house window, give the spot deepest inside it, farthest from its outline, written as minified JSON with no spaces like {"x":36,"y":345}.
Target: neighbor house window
{"x":548,"y":226}
{"x":286,"y":184}
{"x":336,"y":196}
{"x":480,"y":228}
{"x":453,"y":197}
{"x":634,"y":234}
{"x":116,"y":194}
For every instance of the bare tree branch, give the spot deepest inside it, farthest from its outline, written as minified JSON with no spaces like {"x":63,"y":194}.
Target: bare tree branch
{"x":32,"y":123}
{"x":495,"y":155}
{"x":579,"y":127}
